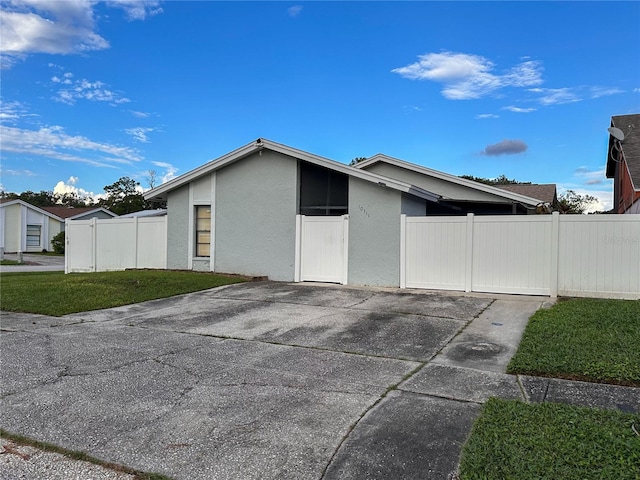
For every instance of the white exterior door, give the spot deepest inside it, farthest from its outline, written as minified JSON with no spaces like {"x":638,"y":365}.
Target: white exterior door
{"x":322,"y":247}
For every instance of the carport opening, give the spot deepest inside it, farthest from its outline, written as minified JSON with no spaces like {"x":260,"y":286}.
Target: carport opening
{"x":323,"y":192}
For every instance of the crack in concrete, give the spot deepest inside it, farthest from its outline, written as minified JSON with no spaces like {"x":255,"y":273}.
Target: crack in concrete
{"x":354,"y":425}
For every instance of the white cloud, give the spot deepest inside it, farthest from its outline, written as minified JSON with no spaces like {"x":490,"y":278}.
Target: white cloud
{"x":58,"y":27}
{"x":137,"y":9}
{"x":85,"y":90}
{"x":555,"y":96}
{"x":11,"y":112}
{"x":294,"y":11}
{"x":54,"y":143}
{"x":39,"y":26}
{"x":467,"y":76}
{"x":140,"y":133}
{"x":69,"y":187}
{"x":169,"y":173}
{"x":487,"y":115}
{"x":515,"y":109}
{"x":140,"y":114}
{"x":597,"y":92}
{"x":18,"y":173}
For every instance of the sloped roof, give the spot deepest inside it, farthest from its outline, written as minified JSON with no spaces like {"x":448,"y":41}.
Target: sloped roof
{"x":7,"y":203}
{"x":159,"y":212}
{"x":71,"y":212}
{"x":511,"y":196}
{"x":261,"y":143}
{"x":543,"y":192}
{"x":630,"y":126}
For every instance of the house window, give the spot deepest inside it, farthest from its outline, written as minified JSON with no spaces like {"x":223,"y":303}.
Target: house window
{"x":203,"y":231}
{"x":33,"y":235}
{"x":323,"y":192}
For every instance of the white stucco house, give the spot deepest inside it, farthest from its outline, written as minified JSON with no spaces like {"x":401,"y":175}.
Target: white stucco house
{"x":27,"y":228}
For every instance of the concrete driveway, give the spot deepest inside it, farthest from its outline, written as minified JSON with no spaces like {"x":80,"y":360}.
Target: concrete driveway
{"x":265,"y":380}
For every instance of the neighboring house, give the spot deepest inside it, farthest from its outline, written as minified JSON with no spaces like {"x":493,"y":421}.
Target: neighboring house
{"x":458,"y":196}
{"x":27,"y":228}
{"x":545,"y":193}
{"x":623,"y":164}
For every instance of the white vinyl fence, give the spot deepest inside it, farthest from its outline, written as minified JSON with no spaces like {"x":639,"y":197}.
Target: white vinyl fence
{"x":570,"y":255}
{"x":98,"y":245}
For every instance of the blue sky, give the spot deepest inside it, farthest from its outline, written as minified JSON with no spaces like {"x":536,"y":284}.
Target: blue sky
{"x":93,"y":91}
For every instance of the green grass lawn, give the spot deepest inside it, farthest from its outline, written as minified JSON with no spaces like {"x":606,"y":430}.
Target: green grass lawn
{"x":584,"y":339}
{"x":9,"y":262}
{"x":54,"y":293}
{"x":513,"y":440}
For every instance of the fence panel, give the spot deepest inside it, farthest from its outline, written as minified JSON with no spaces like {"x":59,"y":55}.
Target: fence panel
{"x":512,"y":254}
{"x":435,"y":252}
{"x":599,"y":256}
{"x":116,"y":244}
{"x":152,"y":242}
{"x":570,"y":255}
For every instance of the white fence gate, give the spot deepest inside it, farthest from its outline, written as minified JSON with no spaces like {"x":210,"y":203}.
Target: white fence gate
{"x":98,"y":245}
{"x":572,"y":255}
{"x":321,"y":249}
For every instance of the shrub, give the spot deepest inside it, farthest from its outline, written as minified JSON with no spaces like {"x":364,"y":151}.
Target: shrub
{"x":58,"y":242}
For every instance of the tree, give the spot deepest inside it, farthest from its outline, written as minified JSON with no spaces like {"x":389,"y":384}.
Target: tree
{"x":152,"y":178}
{"x":501,"y":180}
{"x":572,"y":202}
{"x":357,"y":160}
{"x":123,"y":197}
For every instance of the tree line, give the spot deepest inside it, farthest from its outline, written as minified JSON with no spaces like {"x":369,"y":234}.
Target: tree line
{"x":121,"y":197}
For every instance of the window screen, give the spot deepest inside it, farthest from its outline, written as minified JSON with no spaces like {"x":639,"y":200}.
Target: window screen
{"x":323,"y":192}
{"x":203,"y":231}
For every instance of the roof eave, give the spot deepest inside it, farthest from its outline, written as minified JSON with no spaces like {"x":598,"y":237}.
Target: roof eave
{"x":448,"y":177}
{"x":260,"y":144}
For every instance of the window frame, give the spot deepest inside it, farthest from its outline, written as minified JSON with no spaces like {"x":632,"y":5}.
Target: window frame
{"x":198,"y":230}
{"x":32,"y":235}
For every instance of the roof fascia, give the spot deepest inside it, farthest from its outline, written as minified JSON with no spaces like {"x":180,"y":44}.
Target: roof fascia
{"x":448,"y":177}
{"x":32,"y":207}
{"x":292,"y":152}
{"x":89,"y":212}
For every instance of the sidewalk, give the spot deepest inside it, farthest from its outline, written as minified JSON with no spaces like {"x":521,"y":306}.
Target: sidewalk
{"x":33,"y":263}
